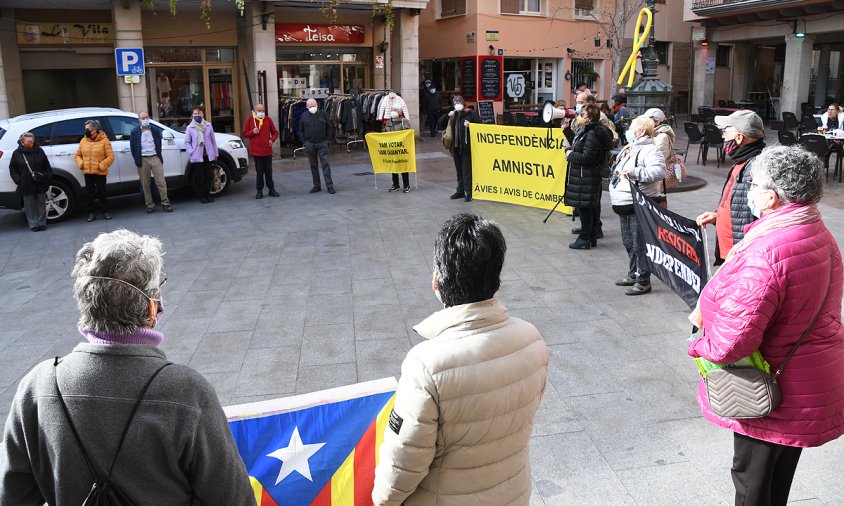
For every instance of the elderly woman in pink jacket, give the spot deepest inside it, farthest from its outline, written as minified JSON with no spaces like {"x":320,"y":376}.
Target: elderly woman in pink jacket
{"x":785,"y":271}
{"x":201,"y":146}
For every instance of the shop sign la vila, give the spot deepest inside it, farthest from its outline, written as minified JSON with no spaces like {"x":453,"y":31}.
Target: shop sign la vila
{"x":311,"y":33}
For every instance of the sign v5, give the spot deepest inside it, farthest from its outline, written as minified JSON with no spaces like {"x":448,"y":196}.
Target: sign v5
{"x":129,"y":61}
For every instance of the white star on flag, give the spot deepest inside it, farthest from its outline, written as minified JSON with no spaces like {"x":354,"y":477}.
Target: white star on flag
{"x":295,"y":457}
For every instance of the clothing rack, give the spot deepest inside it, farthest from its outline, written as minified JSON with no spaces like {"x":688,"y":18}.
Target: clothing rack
{"x":295,"y":99}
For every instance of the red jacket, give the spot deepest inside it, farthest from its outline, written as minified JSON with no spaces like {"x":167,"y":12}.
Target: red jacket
{"x":260,"y":144}
{"x":765,"y":298}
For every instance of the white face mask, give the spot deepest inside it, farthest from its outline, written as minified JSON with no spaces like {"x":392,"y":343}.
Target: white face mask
{"x":432,"y":90}
{"x":578,"y":108}
{"x":630,"y":136}
{"x":458,"y":107}
{"x":313,"y":110}
{"x":394,"y":114}
{"x":392,"y":94}
{"x":260,"y":115}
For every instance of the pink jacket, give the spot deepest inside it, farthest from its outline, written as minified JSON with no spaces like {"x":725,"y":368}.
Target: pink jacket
{"x":765,"y":298}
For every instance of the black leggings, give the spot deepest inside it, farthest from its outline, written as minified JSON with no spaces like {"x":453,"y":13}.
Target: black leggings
{"x":95,"y":188}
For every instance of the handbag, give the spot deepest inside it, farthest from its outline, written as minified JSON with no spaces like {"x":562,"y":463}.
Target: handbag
{"x":37,"y":177}
{"x":448,"y":134}
{"x":747,"y":392}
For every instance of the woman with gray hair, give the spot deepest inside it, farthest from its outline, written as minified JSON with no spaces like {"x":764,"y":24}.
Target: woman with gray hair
{"x":779,"y":292}
{"x":72,"y":417}
{"x":30,"y":170}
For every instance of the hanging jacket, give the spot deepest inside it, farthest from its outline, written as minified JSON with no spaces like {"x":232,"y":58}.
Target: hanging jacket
{"x":19,"y":171}
{"x":583,"y":176}
{"x":95,"y":156}
{"x":388,"y":103}
{"x":764,"y":299}
{"x":465,"y":407}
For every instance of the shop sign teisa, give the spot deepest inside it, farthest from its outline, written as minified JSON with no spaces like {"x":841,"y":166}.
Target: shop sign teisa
{"x":298,"y":33}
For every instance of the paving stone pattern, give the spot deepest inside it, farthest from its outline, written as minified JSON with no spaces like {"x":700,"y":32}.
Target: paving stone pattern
{"x":304,"y":292}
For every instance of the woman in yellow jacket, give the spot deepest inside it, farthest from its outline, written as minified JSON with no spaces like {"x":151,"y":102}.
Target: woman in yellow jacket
{"x":93,"y":157}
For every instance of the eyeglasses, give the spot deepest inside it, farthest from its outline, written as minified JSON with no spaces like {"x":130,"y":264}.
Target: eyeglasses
{"x":162,"y":283}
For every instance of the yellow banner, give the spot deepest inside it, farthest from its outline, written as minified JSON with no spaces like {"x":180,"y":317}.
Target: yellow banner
{"x":518,"y":165}
{"x":392,"y":152}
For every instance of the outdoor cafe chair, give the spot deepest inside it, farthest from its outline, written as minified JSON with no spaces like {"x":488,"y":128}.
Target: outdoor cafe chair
{"x":790,"y":121}
{"x":810,"y":124}
{"x":722,"y":103}
{"x":776,"y":125}
{"x":695,"y":137}
{"x":696,"y":118}
{"x":715,"y":139}
{"x":732,"y":104}
{"x":508,"y":118}
{"x":816,"y":144}
{"x":786,"y":138}
{"x":521,"y":119}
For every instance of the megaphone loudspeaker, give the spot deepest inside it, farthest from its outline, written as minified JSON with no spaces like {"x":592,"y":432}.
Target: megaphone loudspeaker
{"x":550,"y":113}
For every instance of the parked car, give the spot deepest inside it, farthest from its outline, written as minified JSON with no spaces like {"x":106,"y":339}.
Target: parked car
{"x":59,"y":132}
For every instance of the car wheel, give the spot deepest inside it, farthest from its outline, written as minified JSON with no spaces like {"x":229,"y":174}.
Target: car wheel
{"x":222,"y":180}
{"x":60,"y":201}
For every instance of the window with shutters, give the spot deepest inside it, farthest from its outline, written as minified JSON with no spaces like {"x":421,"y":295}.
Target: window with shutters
{"x":452,"y":8}
{"x":584,"y":8}
{"x":521,"y":7}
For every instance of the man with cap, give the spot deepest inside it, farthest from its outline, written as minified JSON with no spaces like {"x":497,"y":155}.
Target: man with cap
{"x":663,"y":133}
{"x":744,"y":136}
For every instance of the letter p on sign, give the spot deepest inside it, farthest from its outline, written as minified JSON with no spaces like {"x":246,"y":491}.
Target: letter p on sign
{"x":129,"y":61}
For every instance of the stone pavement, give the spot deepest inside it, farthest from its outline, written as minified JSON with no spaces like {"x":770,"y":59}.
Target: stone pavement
{"x":285,"y":296}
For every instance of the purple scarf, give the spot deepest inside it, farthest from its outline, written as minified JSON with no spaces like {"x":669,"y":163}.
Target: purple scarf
{"x":140,"y":336}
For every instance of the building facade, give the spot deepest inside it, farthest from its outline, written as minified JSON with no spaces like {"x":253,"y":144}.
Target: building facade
{"x":783,"y":55}
{"x":545,"y":48}
{"x":59,"y":58}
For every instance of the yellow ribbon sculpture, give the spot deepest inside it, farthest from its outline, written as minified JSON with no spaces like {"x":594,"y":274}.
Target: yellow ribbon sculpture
{"x":638,"y":42}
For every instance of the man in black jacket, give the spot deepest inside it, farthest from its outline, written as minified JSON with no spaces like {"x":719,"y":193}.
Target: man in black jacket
{"x":431,"y":105}
{"x":744,"y":136}
{"x":458,"y":121}
{"x":145,"y":144}
{"x":314,"y":131}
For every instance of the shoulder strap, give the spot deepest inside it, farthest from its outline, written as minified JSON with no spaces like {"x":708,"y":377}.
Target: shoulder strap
{"x":88,"y":461}
{"x":808,"y":328}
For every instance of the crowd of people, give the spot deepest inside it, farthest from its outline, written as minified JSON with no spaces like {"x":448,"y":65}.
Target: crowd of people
{"x":778,"y":291}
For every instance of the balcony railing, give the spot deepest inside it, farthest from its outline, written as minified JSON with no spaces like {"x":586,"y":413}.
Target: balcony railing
{"x":709,"y":7}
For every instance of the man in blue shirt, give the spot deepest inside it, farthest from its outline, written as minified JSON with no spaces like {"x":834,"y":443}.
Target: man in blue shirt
{"x":145,"y":144}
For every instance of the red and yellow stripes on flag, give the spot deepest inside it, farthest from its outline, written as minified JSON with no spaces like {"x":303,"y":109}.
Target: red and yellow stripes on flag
{"x":262,"y":497}
{"x":351,"y":485}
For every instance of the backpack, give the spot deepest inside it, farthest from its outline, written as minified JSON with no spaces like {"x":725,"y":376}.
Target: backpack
{"x":448,"y":134}
{"x":103,"y":491}
{"x":673,"y":166}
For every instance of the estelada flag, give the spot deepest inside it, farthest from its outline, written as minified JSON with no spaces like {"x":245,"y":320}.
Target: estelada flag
{"x":319,"y":448}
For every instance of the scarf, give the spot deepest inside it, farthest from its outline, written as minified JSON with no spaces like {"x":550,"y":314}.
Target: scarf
{"x":748,"y":151}
{"x":140,"y":336}
{"x":786,"y":216}
{"x":201,"y":128}
{"x":258,"y":121}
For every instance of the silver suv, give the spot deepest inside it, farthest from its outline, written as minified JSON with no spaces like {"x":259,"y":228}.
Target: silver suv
{"x":59,"y":132}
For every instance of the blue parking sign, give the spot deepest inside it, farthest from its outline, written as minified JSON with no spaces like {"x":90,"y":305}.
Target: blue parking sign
{"x":129,"y":61}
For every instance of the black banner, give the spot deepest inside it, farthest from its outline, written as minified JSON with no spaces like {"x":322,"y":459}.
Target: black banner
{"x":674,"y":247}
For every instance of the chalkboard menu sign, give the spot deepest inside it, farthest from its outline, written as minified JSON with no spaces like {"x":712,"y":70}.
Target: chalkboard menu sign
{"x":490,"y":78}
{"x":487,"y":112}
{"x":468,"y":78}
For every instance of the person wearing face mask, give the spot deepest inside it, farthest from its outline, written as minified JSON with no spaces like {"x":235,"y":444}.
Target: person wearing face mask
{"x":432,"y":107}
{"x":743,"y":141}
{"x":397,"y":122}
{"x":262,"y":133}
{"x":93,"y":157}
{"x":201,"y":146}
{"x":589,"y":146}
{"x":663,"y":133}
{"x":314,"y":132}
{"x":392,"y":102}
{"x":145,"y":144}
{"x":779,"y":291}
{"x":642,"y":164}
{"x":31,"y":171}
{"x":178,"y":438}
{"x":457,"y":120}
